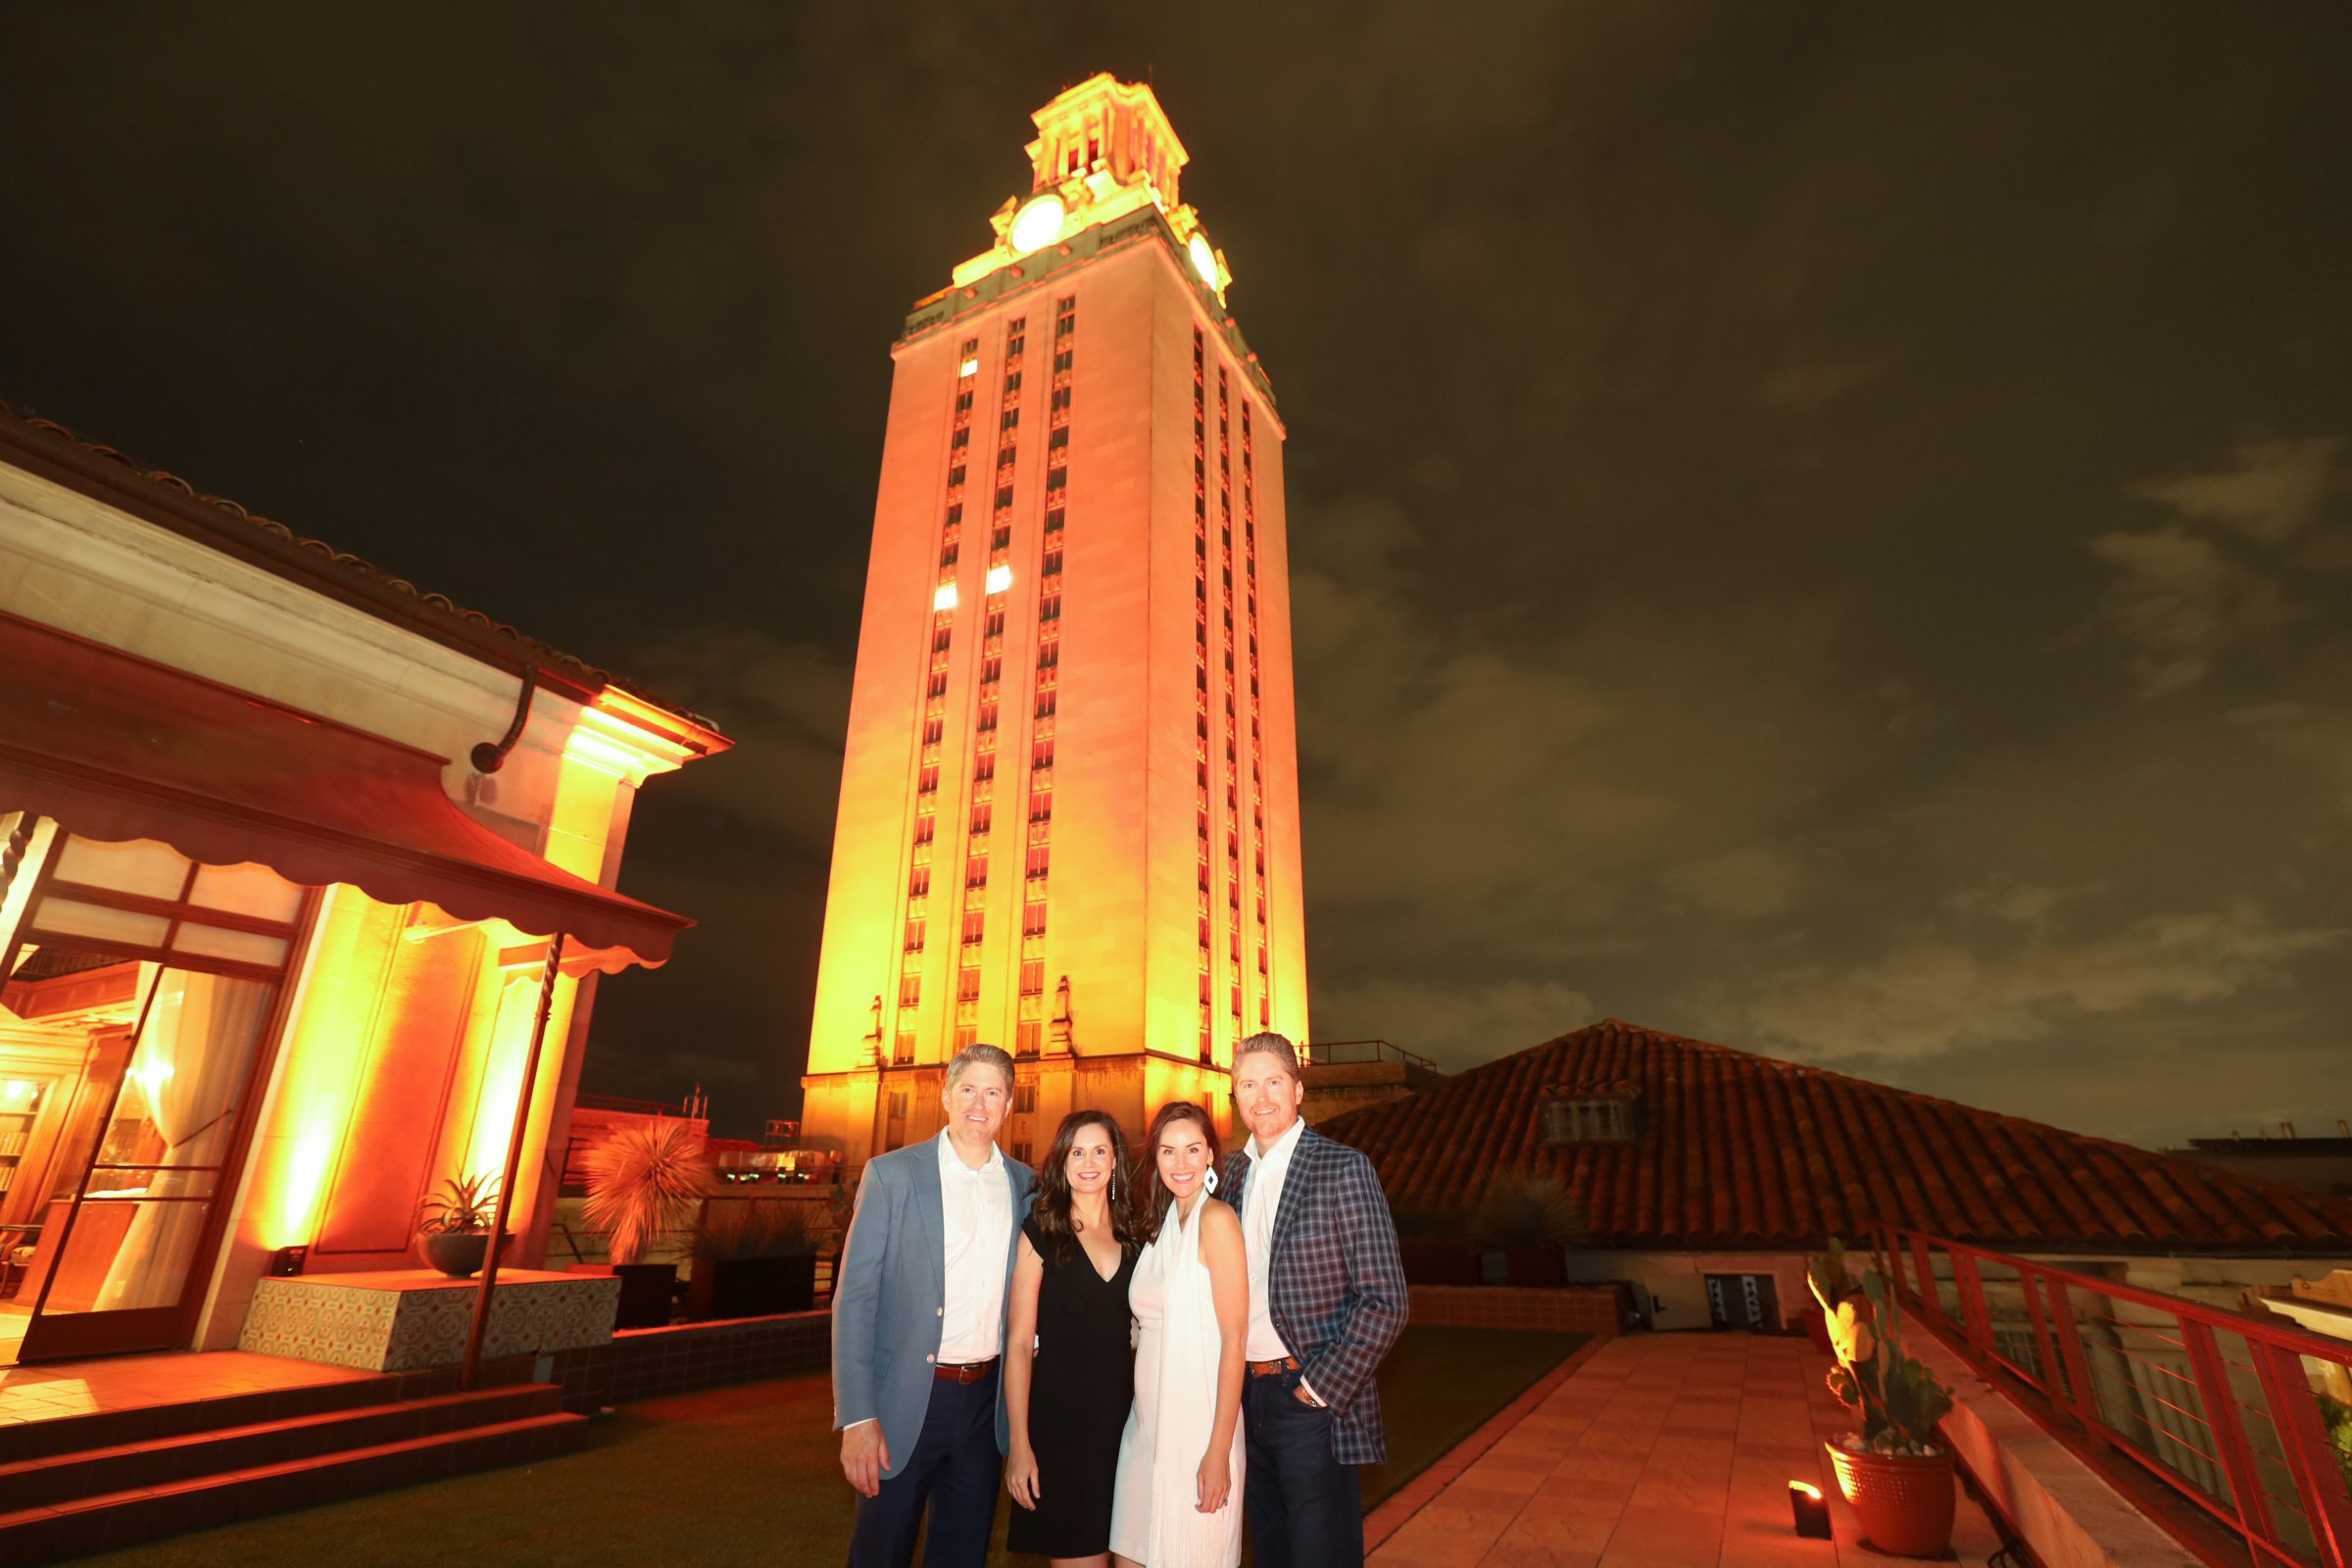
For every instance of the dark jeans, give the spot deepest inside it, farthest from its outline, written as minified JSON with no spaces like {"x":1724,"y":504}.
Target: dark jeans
{"x":1305,"y":1509}
{"x":955,"y":1469}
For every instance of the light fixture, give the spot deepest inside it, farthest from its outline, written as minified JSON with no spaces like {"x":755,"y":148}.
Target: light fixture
{"x":1808,"y":1511}
{"x":1036,"y":225}
{"x":1000,"y":578}
{"x":1205,"y":258}
{"x":945,"y":599}
{"x":287,"y":1261}
{"x":970,"y":367}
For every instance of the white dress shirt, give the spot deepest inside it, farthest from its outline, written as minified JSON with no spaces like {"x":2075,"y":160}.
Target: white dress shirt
{"x":977,"y":1205}
{"x":1261,"y":1199}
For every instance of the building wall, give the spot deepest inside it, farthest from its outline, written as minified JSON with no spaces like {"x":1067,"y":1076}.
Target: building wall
{"x":1122,"y":908}
{"x":401,"y":1059}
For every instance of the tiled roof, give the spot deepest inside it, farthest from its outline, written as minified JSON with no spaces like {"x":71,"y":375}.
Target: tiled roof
{"x":318,"y":560}
{"x":1737,"y":1150}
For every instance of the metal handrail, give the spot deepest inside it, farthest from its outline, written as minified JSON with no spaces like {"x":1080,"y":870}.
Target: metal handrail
{"x":1329,"y":1053}
{"x":2298,"y":1513}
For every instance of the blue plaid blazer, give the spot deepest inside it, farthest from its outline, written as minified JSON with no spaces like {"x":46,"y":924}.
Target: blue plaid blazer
{"x":1334,"y":1284}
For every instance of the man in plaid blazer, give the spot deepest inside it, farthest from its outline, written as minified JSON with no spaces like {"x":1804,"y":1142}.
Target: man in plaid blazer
{"x":1327,"y":1300}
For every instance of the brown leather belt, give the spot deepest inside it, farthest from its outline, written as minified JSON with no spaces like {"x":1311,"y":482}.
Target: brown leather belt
{"x":1273,"y":1369}
{"x":968,"y":1372}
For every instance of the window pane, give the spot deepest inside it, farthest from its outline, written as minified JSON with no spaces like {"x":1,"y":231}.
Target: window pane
{"x":72,"y":917}
{"x":245,"y":947}
{"x":142,"y":866}
{"x":247,"y":889}
{"x":126,"y":1255}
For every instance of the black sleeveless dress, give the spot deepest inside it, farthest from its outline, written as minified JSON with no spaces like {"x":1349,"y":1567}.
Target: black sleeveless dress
{"x":1080,"y":1388}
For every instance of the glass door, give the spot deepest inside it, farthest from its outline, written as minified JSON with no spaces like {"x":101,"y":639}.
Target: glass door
{"x":164,"y":1110}
{"x":133,"y":1222}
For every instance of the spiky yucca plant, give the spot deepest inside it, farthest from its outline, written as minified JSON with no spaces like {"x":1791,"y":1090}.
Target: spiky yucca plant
{"x":643,"y":1181}
{"x":1526,"y":1208}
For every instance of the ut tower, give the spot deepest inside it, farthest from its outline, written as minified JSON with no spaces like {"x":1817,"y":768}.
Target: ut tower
{"x":1069,"y":798}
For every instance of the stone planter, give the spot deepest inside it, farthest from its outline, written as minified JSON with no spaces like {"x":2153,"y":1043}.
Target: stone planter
{"x":1439,"y":1262}
{"x":1535,"y":1265}
{"x":1903,"y":1503}
{"x":750,"y":1286}
{"x":648,"y":1292}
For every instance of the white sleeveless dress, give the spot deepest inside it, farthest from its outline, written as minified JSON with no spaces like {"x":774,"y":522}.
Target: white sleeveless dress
{"x":1155,"y":1514}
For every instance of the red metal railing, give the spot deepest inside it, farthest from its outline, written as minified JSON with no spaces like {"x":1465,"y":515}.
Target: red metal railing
{"x":2230,"y":1412}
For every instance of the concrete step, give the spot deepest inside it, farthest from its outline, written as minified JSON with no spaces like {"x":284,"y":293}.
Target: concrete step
{"x":126,"y":1517}
{"x":54,"y":1479}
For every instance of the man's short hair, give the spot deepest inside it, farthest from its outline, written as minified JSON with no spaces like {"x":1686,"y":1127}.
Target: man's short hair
{"x":972,"y":1056}
{"x":1272,"y":1045}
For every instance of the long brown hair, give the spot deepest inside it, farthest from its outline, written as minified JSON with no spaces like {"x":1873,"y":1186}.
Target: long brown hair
{"x":1051,"y":1211}
{"x":1160,"y":1199}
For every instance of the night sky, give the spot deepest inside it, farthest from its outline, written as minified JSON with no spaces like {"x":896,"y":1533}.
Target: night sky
{"x":1827,"y":529}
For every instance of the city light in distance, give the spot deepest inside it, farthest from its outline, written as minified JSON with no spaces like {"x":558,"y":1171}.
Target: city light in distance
{"x":1000,"y":578}
{"x":945,"y":599}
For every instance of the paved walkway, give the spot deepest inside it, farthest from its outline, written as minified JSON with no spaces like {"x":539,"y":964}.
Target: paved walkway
{"x":1655,"y":1450}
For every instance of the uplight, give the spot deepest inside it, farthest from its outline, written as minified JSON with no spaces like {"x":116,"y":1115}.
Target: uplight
{"x":1205,"y":258}
{"x":1000,"y":578}
{"x":945,"y":599}
{"x":1036,"y":225}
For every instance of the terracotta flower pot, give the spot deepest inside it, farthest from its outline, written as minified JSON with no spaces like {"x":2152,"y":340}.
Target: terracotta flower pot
{"x":1903,"y":1503}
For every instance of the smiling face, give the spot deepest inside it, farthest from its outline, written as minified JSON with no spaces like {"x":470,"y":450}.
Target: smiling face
{"x":1183,"y":1157}
{"x":976,"y":1103}
{"x":1267,"y":1096}
{"x":1090,"y":1161}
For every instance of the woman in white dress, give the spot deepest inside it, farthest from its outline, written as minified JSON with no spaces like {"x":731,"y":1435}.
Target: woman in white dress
{"x":1178,"y":1498}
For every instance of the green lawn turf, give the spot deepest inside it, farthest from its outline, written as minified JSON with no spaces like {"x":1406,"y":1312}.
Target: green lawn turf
{"x":749,"y":1476}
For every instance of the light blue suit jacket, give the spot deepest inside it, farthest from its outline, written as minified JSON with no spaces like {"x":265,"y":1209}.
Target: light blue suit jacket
{"x":890,"y":1293}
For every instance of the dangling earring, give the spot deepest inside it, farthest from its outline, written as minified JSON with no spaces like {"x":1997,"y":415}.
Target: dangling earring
{"x":1208,"y":1182}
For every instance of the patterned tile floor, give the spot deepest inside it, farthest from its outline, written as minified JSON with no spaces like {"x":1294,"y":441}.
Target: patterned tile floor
{"x":56,"y":1389}
{"x":1657,"y":1450}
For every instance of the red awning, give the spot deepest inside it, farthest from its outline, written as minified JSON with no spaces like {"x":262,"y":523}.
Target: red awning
{"x":114,"y":746}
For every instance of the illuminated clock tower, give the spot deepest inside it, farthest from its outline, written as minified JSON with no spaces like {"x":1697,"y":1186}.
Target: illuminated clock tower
{"x":1069,"y":801}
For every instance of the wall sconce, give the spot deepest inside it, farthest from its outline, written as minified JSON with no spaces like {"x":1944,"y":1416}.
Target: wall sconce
{"x":286,"y":1262}
{"x":1809,"y":1510}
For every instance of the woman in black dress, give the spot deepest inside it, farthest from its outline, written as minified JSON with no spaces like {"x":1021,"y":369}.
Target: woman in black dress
{"x":1069,"y":1365}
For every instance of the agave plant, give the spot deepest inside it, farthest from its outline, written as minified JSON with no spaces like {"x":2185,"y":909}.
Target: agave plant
{"x":643,"y":1181}
{"x":1526,"y":1209}
{"x":463,"y":1204}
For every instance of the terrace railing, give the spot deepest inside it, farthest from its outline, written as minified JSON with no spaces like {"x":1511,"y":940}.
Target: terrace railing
{"x":2249,"y":1420}
{"x":1335,"y":1052}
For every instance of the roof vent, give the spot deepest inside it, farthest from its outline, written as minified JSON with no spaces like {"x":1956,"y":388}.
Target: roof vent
{"x":1574,"y":1114}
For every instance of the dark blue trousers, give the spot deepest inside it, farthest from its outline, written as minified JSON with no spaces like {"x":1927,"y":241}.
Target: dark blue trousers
{"x":1304,"y":1507}
{"x":953,"y":1469}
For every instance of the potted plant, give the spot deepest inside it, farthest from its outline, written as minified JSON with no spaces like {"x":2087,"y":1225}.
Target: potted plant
{"x":453,"y":1225}
{"x":1831,"y":1283}
{"x":1532,"y":1221}
{"x":643,"y":1182}
{"x":753,"y":1258}
{"x":1435,"y":1245}
{"x":1890,"y":1468}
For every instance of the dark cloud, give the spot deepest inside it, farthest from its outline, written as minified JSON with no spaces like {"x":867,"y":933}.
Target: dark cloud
{"x":1828,"y":527}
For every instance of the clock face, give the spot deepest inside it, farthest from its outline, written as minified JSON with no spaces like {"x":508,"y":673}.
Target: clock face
{"x":1036,"y":225}
{"x":1204,"y":260}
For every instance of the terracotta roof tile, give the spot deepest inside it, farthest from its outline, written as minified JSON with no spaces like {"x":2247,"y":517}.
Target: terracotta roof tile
{"x":1737,"y":1150}
{"x":429,"y":605}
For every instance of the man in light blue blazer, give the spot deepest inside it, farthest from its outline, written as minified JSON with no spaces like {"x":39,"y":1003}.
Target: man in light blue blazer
{"x":918,"y":1328}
